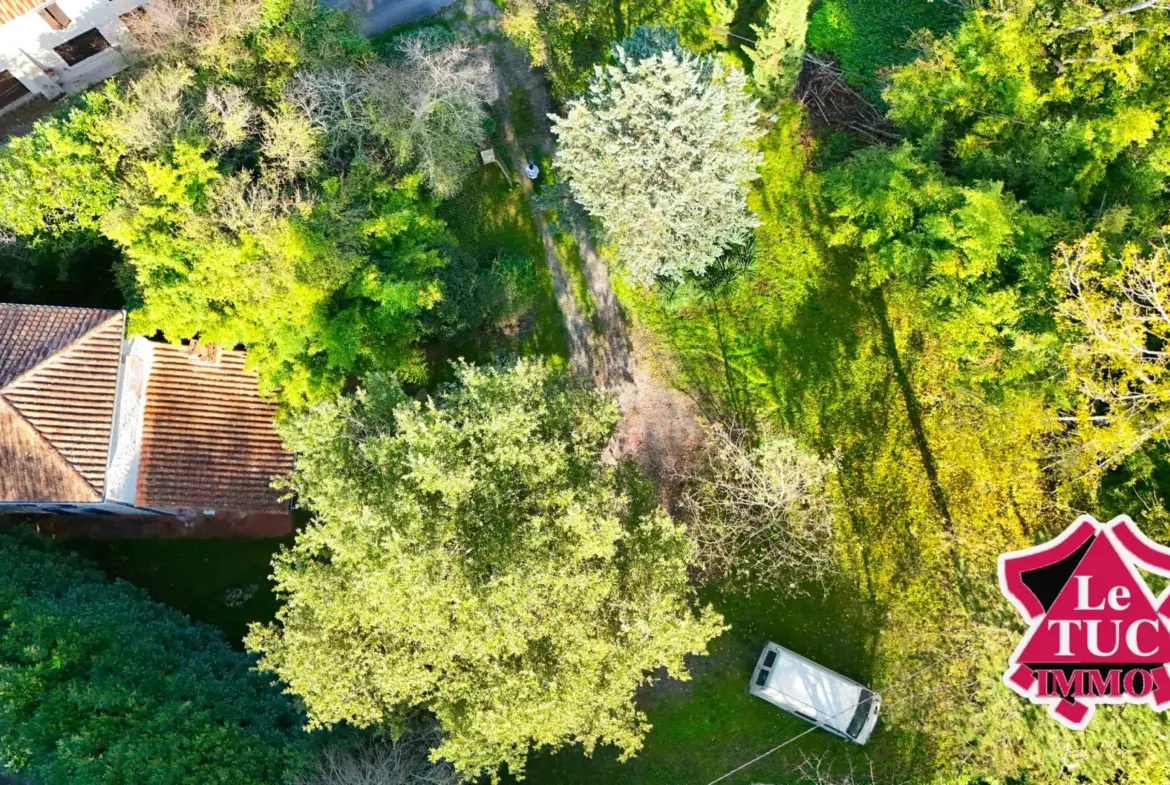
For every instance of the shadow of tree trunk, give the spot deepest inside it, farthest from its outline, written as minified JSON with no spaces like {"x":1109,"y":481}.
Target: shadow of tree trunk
{"x":918,"y":431}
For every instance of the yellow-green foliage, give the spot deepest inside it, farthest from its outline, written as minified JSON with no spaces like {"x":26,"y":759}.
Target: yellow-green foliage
{"x":1115,"y":318}
{"x":778,"y":54}
{"x":472,"y":555}
{"x":1073,"y":120}
{"x":570,"y":38}
{"x":896,"y":320}
{"x":233,"y":225}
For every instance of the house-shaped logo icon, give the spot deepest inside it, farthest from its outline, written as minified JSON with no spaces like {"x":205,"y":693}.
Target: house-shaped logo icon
{"x":1097,"y":634}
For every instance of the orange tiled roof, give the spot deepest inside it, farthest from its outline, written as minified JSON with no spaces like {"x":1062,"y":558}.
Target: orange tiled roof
{"x":12,"y":9}
{"x":207,"y":439}
{"x":58,"y":382}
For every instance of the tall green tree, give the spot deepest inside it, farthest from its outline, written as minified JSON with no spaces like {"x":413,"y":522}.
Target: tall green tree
{"x":967,"y":261}
{"x":100,"y":685}
{"x":778,"y":52}
{"x":316,"y":290}
{"x":1065,"y":102}
{"x":472,"y":555}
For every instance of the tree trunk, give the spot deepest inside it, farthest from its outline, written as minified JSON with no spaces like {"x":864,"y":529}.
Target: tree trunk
{"x":619,"y":22}
{"x":1132,"y":8}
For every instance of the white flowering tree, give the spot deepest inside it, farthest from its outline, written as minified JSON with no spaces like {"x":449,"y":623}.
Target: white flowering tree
{"x":661,"y":149}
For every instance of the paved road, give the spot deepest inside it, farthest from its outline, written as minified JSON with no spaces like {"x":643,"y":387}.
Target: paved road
{"x":379,"y":15}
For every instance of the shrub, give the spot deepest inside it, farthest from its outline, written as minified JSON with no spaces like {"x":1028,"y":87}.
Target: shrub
{"x":100,"y":685}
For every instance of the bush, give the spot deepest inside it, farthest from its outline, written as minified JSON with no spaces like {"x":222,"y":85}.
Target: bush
{"x":100,"y":685}
{"x":762,"y":512}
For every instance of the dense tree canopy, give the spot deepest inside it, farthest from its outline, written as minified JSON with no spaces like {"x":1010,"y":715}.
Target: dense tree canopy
{"x":1063,"y":101}
{"x":100,"y":685}
{"x":472,"y":555}
{"x":245,"y":210}
{"x":1118,"y":323}
{"x":923,"y":309}
{"x":660,"y":149}
{"x":969,"y":260}
{"x":570,"y":38}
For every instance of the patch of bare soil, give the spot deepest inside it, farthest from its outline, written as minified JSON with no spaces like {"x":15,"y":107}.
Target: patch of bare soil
{"x":660,"y":428}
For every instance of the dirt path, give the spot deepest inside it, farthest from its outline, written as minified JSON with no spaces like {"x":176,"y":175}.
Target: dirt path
{"x":660,"y":427}
{"x":575,"y":325}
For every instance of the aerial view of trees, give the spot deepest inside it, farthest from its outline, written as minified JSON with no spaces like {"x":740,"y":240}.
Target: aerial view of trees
{"x":613,"y":340}
{"x":471,"y":555}
{"x":246,"y":210}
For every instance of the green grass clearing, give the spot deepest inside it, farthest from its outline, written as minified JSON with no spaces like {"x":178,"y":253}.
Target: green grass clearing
{"x":520,"y":109}
{"x":868,"y":36}
{"x":489,"y":218}
{"x":711,"y":724}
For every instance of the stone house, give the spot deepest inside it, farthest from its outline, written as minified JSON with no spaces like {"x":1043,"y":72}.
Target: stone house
{"x":60,"y":47}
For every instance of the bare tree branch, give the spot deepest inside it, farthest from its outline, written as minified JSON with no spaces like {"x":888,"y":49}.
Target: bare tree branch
{"x":1132,"y":8}
{"x":384,"y":762}
{"x":426,"y":109}
{"x":764,"y":511}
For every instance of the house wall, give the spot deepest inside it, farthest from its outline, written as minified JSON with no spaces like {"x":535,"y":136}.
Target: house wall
{"x":26,"y":46}
{"x":120,"y":521}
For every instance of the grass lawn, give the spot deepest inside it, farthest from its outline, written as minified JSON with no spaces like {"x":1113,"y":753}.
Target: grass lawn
{"x":710,"y":725}
{"x":868,"y":36}
{"x":488,"y":218}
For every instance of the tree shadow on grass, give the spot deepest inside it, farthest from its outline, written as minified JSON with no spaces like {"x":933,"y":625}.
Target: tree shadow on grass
{"x":707,"y":726}
{"x":219,"y":582}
